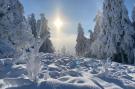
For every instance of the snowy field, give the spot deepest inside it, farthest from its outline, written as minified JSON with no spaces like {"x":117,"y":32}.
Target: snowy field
{"x":68,"y":72}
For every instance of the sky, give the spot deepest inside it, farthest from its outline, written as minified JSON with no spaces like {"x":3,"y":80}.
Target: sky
{"x":71,"y":13}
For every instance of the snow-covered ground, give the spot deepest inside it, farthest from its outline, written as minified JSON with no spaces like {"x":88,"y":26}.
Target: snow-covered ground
{"x":68,"y":72}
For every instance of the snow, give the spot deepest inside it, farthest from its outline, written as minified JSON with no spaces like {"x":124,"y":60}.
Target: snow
{"x":86,"y":73}
{"x":34,"y":70}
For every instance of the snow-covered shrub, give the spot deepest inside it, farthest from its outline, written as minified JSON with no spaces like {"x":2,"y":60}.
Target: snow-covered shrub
{"x":33,"y":61}
{"x":105,"y":65}
{"x":33,"y":65}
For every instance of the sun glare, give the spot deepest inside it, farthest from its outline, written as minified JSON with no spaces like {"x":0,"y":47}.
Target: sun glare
{"x":58,"y":23}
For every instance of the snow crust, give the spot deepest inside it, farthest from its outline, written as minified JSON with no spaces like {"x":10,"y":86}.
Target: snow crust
{"x":60,"y":72}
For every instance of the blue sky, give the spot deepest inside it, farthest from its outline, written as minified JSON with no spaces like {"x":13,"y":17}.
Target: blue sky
{"x":71,"y":11}
{"x":74,"y":10}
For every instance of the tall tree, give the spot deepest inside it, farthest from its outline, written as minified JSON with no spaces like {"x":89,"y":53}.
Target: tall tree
{"x":98,"y":26}
{"x":47,"y":46}
{"x":14,"y":29}
{"x":133,"y":17}
{"x":116,"y":37}
{"x":133,"y":23}
{"x":94,"y":36}
{"x":33,"y":24}
{"x":81,"y":45}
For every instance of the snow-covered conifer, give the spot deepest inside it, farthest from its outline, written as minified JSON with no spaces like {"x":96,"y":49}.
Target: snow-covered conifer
{"x":116,"y":36}
{"x":47,"y":46}
{"x":14,"y":29}
{"x":133,"y":17}
{"x":81,"y":45}
{"x":33,"y":24}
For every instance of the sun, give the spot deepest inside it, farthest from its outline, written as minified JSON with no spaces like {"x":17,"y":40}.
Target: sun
{"x":58,"y":23}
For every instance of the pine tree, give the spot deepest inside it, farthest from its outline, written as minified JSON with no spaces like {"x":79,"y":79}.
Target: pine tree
{"x":98,"y":26}
{"x":33,"y":24}
{"x":116,"y":37}
{"x":133,"y":16}
{"x":14,"y":29}
{"x":43,"y":26}
{"x":94,"y":44}
{"x":47,"y":46}
{"x":133,"y":23}
{"x":81,"y":45}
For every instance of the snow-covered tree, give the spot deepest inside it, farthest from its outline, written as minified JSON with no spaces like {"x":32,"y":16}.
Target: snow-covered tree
{"x":33,"y":24}
{"x":133,"y":23}
{"x":81,"y":46}
{"x":116,"y":36}
{"x":14,"y":29}
{"x":94,"y":36}
{"x":47,"y":46}
{"x":98,"y":26}
{"x":133,"y":17}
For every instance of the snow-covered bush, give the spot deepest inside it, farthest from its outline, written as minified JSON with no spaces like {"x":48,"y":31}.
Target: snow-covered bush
{"x":106,"y":64}
{"x":33,"y":62}
{"x":33,"y":65}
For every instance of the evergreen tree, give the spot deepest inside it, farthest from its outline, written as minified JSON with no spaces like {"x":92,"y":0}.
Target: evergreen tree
{"x":14,"y":29}
{"x":94,"y":42}
{"x":133,"y":23}
{"x":116,"y":37}
{"x":47,"y":46}
{"x":33,"y":24}
{"x":133,"y":17}
{"x":81,"y":45}
{"x":98,"y":26}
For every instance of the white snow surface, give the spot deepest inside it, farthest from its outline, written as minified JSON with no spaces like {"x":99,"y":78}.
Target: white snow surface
{"x":68,"y":73}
